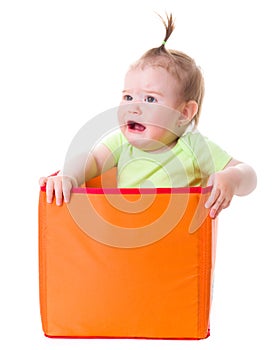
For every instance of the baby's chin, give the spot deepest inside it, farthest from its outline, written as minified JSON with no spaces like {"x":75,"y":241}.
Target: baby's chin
{"x":148,"y":145}
{"x":149,"y":141}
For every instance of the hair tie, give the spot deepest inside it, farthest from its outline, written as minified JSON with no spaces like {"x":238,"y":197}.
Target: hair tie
{"x":164,"y":42}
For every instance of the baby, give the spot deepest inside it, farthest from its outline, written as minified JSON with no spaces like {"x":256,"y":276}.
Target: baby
{"x":157,"y":144}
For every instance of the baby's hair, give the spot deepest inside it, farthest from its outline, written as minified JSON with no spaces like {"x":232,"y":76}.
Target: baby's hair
{"x":169,"y":26}
{"x":181,"y":66}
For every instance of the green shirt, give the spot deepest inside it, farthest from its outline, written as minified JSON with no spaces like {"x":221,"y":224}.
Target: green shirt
{"x":189,"y":163}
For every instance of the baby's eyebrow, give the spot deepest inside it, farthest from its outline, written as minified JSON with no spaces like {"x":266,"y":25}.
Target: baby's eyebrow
{"x":147,"y":92}
{"x":153,"y":92}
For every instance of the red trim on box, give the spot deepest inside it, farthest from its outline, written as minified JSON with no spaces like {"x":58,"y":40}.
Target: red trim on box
{"x":92,"y":190}
{"x":97,"y":190}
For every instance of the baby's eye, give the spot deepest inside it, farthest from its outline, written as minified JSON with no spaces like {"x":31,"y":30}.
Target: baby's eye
{"x":150,"y":99}
{"x":127,"y":98}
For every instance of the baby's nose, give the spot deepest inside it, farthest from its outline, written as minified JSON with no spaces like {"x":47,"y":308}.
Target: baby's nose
{"x":135,"y":108}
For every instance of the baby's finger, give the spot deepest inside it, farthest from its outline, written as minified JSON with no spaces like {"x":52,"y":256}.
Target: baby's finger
{"x":42,"y":181}
{"x":49,"y":190}
{"x":226,"y":203}
{"x":58,"y":192}
{"x":216,"y":208}
{"x":212,"y":198}
{"x":66,"y":189}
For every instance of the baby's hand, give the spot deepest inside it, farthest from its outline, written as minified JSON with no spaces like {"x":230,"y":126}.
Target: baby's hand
{"x":60,"y":186}
{"x":223,"y":190}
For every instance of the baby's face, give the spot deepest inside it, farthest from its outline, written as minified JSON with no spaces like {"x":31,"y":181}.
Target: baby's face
{"x":150,"y":110}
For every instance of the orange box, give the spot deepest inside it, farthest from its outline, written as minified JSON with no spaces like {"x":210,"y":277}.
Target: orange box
{"x":127,"y":263}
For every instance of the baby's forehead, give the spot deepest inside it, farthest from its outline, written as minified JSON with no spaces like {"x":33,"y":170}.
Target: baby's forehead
{"x":154,"y":62}
{"x":140,"y":71}
{"x":152,"y":70}
{"x":152,"y":74}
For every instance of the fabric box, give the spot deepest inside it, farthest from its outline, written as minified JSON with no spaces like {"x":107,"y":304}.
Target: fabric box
{"x":126,"y":263}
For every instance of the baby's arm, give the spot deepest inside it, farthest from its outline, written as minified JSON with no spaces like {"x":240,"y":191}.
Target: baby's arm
{"x":236,"y":178}
{"x":76,"y":172}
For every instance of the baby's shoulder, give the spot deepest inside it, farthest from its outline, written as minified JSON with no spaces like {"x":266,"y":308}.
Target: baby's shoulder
{"x":192,"y":139}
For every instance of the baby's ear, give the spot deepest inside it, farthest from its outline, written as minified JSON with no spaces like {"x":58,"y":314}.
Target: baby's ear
{"x":188,"y":112}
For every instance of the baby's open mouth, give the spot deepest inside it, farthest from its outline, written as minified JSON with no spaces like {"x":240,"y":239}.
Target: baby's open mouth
{"x":135,"y":126}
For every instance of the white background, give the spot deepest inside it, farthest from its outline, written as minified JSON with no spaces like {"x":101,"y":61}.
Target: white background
{"x":62,"y":62}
